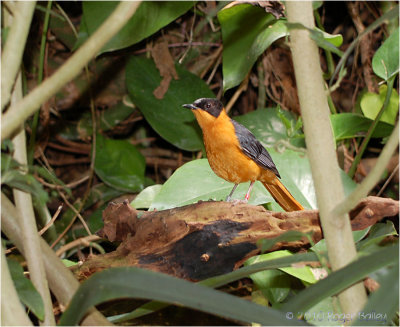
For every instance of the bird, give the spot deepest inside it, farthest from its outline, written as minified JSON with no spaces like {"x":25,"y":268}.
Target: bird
{"x":236,"y":155}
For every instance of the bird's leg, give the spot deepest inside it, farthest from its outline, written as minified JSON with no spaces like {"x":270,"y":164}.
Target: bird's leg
{"x":247,"y":196}
{"x":228,"y":198}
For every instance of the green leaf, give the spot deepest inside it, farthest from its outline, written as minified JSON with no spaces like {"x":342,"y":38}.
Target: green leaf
{"x":119,"y":164}
{"x":166,"y":116}
{"x":376,"y":234}
{"x":323,"y":39}
{"x":146,"y":197}
{"x":348,"y":125}
{"x":196,"y":181}
{"x":358,"y":235}
{"x":272,"y":125}
{"x":24,"y":182}
{"x":274,"y":285}
{"x":247,"y":31}
{"x":327,"y":41}
{"x":83,"y":34}
{"x":371,"y":103}
{"x":62,"y":31}
{"x":342,"y":278}
{"x":303,"y":273}
{"x":148,"y":19}
{"x":383,"y":304}
{"x":385,"y":62}
{"x":68,"y":263}
{"x":116,"y":283}
{"x":27,"y":293}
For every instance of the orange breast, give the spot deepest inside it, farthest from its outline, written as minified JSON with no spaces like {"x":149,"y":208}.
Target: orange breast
{"x":223,"y":150}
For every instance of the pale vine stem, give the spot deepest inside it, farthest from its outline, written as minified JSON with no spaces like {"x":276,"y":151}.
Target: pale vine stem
{"x":321,"y":150}
{"x":13,"y":50}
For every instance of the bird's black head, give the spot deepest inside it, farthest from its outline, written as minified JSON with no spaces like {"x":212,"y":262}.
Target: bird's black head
{"x":212,"y":106}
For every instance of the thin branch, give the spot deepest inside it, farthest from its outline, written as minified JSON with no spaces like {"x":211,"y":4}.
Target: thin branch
{"x":86,"y":241}
{"x":73,"y":66}
{"x":51,"y":222}
{"x":395,"y":170}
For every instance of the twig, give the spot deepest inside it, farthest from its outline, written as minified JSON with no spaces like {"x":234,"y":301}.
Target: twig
{"x":79,"y":241}
{"x":76,"y":213}
{"x":365,"y":47}
{"x":51,"y":222}
{"x":240,"y":89}
{"x":190,"y":37}
{"x":388,"y":180}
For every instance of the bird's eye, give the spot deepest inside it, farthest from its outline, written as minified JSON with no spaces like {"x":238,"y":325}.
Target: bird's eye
{"x":208,"y":105}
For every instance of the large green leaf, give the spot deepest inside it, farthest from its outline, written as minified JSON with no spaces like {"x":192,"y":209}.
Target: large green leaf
{"x":272,"y":125}
{"x":246,"y":32}
{"x":116,"y":283}
{"x":167,"y":117}
{"x":385,"y":62}
{"x":195,"y":181}
{"x":371,"y":103}
{"x":148,"y":19}
{"x":119,"y":164}
{"x":25,"y":289}
{"x":348,"y":125}
{"x":146,"y":197}
{"x":303,"y":273}
{"x":275,"y":284}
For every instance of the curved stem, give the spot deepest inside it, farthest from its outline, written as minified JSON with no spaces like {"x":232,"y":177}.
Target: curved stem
{"x":12,"y":119}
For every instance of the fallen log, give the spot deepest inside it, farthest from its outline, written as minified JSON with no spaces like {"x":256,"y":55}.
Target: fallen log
{"x":209,"y":238}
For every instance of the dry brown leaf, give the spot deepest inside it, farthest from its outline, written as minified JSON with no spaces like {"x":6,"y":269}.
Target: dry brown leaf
{"x":166,"y":66}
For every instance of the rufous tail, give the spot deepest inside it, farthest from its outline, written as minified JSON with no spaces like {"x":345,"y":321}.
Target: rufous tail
{"x":283,"y":196}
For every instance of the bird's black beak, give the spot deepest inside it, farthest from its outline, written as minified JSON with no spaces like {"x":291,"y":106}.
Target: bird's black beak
{"x":189,"y":106}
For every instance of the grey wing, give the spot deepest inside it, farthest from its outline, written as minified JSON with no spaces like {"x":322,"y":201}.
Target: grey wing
{"x":253,"y":148}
